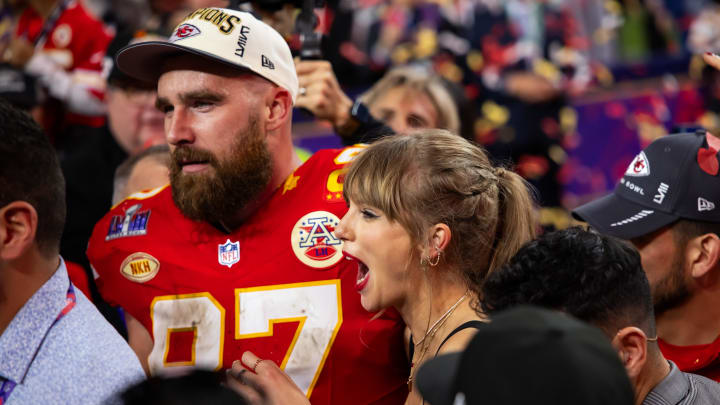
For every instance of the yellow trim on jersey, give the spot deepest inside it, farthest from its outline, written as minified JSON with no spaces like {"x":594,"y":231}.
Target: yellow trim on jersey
{"x":212,"y":299}
{"x":142,"y":195}
{"x":332,"y":339}
{"x":192,"y":349}
{"x":333,"y":185}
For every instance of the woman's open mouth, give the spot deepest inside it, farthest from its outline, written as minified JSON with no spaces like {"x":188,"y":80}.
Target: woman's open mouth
{"x":363,"y":273}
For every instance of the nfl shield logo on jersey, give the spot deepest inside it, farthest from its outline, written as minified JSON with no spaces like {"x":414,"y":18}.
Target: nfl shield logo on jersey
{"x":229,"y":253}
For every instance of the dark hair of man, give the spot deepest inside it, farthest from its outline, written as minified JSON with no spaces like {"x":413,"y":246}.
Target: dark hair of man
{"x":200,"y":387}
{"x":596,"y":278}
{"x":30,"y":172}
{"x":685,"y":229}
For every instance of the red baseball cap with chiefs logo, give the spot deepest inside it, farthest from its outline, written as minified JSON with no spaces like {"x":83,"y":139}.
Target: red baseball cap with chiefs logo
{"x":675,"y":177}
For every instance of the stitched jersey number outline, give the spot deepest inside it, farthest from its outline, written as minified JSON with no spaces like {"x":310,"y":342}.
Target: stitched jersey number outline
{"x":317,"y":306}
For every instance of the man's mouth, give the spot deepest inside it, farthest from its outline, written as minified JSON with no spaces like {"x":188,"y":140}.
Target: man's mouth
{"x":193,"y":166}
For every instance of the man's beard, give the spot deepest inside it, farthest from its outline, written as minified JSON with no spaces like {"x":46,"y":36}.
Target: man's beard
{"x":672,"y":290}
{"x":220,"y":195}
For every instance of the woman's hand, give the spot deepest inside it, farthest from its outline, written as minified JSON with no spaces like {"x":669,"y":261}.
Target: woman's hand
{"x":261,"y":382}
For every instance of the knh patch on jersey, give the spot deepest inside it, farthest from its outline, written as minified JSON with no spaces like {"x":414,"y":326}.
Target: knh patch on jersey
{"x":133,"y":223}
{"x":229,"y":253}
{"x":639,"y":167}
{"x":140,"y":267}
{"x":314,"y":242}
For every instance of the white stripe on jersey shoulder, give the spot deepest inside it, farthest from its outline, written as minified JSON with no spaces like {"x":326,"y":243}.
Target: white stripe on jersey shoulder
{"x":142,"y":195}
{"x":348,"y":154}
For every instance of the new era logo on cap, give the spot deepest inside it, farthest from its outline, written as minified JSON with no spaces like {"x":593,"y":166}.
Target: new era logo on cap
{"x":267,"y":62}
{"x":639,"y":166}
{"x":184,"y":31}
{"x":705,"y":205}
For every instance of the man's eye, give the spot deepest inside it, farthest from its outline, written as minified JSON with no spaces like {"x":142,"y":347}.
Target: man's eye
{"x":202,"y":104}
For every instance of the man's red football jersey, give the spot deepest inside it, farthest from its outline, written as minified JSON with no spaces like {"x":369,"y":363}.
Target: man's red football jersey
{"x":278,"y":286}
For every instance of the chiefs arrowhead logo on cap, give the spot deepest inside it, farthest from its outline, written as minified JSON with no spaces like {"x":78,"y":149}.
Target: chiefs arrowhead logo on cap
{"x":639,"y":167}
{"x":184,"y":31}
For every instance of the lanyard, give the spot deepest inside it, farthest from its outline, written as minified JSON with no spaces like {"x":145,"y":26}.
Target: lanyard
{"x":7,"y":386}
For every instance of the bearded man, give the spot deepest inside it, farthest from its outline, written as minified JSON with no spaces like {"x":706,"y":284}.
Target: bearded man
{"x":668,"y":206}
{"x":238,"y":253}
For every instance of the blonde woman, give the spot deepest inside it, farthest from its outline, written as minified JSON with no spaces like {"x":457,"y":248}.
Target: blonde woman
{"x":429,"y":218}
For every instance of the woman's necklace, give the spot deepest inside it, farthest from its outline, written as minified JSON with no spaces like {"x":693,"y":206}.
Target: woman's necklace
{"x":431,"y":331}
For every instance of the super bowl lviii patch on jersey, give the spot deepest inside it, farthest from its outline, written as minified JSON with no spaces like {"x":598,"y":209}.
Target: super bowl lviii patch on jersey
{"x":313,"y":240}
{"x":133,"y":223}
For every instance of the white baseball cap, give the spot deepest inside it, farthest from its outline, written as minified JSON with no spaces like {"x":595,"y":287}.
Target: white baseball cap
{"x":232,"y":37}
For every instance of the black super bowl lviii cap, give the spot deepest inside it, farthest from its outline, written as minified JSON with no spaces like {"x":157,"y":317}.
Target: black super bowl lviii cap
{"x":674,"y":177}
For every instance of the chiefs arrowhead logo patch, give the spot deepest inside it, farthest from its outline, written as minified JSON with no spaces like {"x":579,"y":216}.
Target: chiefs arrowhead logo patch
{"x":184,"y":31}
{"x":639,"y":167}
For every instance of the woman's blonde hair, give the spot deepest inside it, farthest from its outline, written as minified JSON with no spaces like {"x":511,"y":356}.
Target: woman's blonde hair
{"x":421,"y":80}
{"x":433,"y":176}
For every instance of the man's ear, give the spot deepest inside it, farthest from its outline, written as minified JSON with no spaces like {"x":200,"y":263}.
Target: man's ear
{"x":703,"y":254}
{"x":279,"y":108}
{"x":18,"y":225}
{"x":631,"y":344}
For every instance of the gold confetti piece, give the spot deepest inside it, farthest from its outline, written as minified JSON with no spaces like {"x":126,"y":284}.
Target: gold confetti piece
{"x":697,"y":64}
{"x":401,"y":54}
{"x":483,"y":129}
{"x":568,"y":119}
{"x":475,"y":61}
{"x":495,"y":113}
{"x":649,"y":130}
{"x":426,"y":43}
{"x":558,"y":217}
{"x":604,"y":75}
{"x":451,"y":72}
{"x":613,"y":7}
{"x":602,"y":36}
{"x":546,"y":69}
{"x":557,"y":154}
{"x":710,"y":120}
